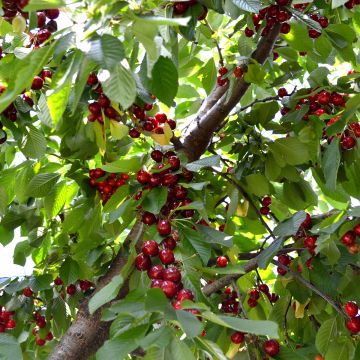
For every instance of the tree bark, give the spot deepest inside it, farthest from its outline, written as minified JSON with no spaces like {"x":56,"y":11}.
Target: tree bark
{"x":88,"y":333}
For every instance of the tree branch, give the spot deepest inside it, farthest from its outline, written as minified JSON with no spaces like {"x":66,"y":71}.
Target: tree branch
{"x":217,"y":106}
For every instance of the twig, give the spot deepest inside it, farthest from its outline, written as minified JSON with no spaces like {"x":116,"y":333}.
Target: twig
{"x":241,"y":305}
{"x":221,"y":59}
{"x":310,"y":286}
{"x":285,"y":318}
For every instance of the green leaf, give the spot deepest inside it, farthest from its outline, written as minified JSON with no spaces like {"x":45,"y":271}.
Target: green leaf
{"x":257,"y":184}
{"x":155,"y":199}
{"x":290,"y":226}
{"x":330,"y":164}
{"x":298,"y":37}
{"x":290,"y":150}
{"x":44,"y":4}
{"x":9,"y":348}
{"x":58,"y":100}
{"x":106,"y":294}
{"x":257,"y":327}
{"x":34,"y":145}
{"x":40,"y":185}
{"x":208,"y":74}
{"x":156,"y":300}
{"x":337,"y":3}
{"x":107,"y":51}
{"x":204,"y":162}
{"x":6,"y":235}
{"x":215,"y":236}
{"x":255,"y":74}
{"x":179,"y":350}
{"x":21,"y":252}
{"x":118,"y":130}
{"x":165,"y":80}
{"x":262,"y":113}
{"x":248,"y":5}
{"x":116,"y":199}
{"x":158,"y":20}
{"x":265,"y":257}
{"x":189,"y":323}
{"x":339,"y":350}
{"x":124,"y":165}
{"x":55,"y":200}
{"x":41,"y":282}
{"x":69,"y":271}
{"x":327,"y":333}
{"x":119,"y":85}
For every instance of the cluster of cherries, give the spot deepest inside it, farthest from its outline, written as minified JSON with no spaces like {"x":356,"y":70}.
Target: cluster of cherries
{"x":351,"y":4}
{"x":182,"y":7}
{"x":106,"y":183}
{"x":265,"y":203}
{"x":254,"y":295}
{"x":71,"y":289}
{"x":147,"y":123}
{"x":41,"y":336}
{"x":6,"y":320}
{"x":326,"y":103}
{"x":46,"y":19}
{"x":353,"y":324}
{"x":223,"y":80}
{"x":165,"y":274}
{"x":349,"y":239}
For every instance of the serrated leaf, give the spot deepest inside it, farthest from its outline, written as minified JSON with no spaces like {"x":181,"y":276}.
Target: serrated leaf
{"x":252,"y":6}
{"x":40,"y":185}
{"x":290,"y":226}
{"x":9,"y":348}
{"x":118,"y":130}
{"x":330,"y":164}
{"x":124,"y":165}
{"x":55,"y":200}
{"x":179,"y":350}
{"x":44,"y":4}
{"x":189,"y":323}
{"x":69,"y":271}
{"x":290,"y":150}
{"x":155,"y":200}
{"x":305,"y":19}
{"x":327,"y":333}
{"x":158,"y":20}
{"x":58,"y":100}
{"x":215,"y":236}
{"x":165,"y":80}
{"x":119,"y":86}
{"x":204,"y":162}
{"x":34,"y":145}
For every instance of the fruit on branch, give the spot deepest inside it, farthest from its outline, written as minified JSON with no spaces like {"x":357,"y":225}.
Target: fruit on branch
{"x":150,"y":248}
{"x":142,"y":262}
{"x":348,"y":238}
{"x":348,"y":142}
{"x":221,"y":261}
{"x":37,"y":83}
{"x":166,"y":256}
{"x":271,"y":347}
{"x":237,"y":337}
{"x":28,"y":292}
{"x":353,"y":325}
{"x":71,"y":289}
{"x":351,"y":309}
{"x":164,"y":227}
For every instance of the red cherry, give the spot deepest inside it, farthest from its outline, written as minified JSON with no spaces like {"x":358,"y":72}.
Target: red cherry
{"x":71,"y":289}
{"x":281,"y":271}
{"x":284,"y":259}
{"x":324,"y":22}
{"x":248,"y":32}
{"x":266,"y":201}
{"x":282,"y":16}
{"x":142,"y":262}
{"x":174,"y":163}
{"x":148,"y":218}
{"x":309,"y":242}
{"x":58,"y":281}
{"x":271,"y":347}
{"x":353,"y":325}
{"x":282,"y":92}
{"x":350,"y":4}
{"x":143,"y":177}
{"x":49,"y":336}
{"x":284,"y":110}
{"x":41,"y":19}
{"x":172,"y":274}
{"x":313,"y":33}
{"x":166,"y":256}
{"x":172,"y":124}
{"x":37,"y":83}
{"x":111,"y":113}
{"x":161,"y":118}
{"x":10,"y":324}
{"x":348,"y":142}
{"x":157,"y":155}
{"x":94,"y":108}
{"x":320,"y":112}
{"x":92,"y":79}
{"x":41,"y":322}
{"x":285,"y":28}
{"x":254,"y":294}
{"x":238,"y":72}
{"x":223,"y":70}
{"x":28,"y":292}
{"x":221,"y":82}
{"x":169,"y":288}
{"x":43,"y":35}
{"x":356,"y":230}
{"x":237,"y":337}
{"x":264,"y":288}
{"x":156,"y":272}
{"x":185,"y":294}
{"x":221,"y":261}
{"x":324,"y":98}
{"x":351,"y":309}
{"x":164,"y":227}
{"x":169,"y":179}
{"x":40,"y":342}
{"x":52,"y":13}
{"x":252,"y":302}
{"x":85,"y":285}
{"x":134,"y":133}
{"x":348,"y":238}
{"x":155,"y":180}
{"x":150,"y":248}
{"x":264,"y":210}
{"x":181,"y":7}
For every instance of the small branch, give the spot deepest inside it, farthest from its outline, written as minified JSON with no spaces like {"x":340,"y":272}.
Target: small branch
{"x":310,"y":286}
{"x":285,"y":318}
{"x":241,"y":305}
{"x":221,"y":59}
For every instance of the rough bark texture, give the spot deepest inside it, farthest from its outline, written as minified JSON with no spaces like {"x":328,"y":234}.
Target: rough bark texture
{"x":87,"y":333}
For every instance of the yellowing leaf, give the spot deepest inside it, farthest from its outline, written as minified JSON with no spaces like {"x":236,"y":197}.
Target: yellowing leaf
{"x":300,"y":309}
{"x":118,"y":130}
{"x":242,"y":209}
{"x":163,"y":139}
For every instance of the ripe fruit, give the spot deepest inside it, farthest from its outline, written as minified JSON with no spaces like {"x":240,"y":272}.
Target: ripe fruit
{"x":223,"y":70}
{"x":92,"y":79}
{"x":71,"y":289}
{"x":252,"y":302}
{"x":143,"y":262}
{"x":58,"y":281}
{"x":49,"y":336}
{"x":264,"y":288}
{"x":237,"y":337}
{"x":40,"y":342}
{"x":111,"y":113}
{"x":150,"y":248}
{"x":348,"y":238}
{"x":180,"y":7}
{"x":27,"y":292}
{"x":157,"y":155}
{"x":248,"y":32}
{"x":169,"y":179}
{"x":156,"y":272}
{"x":313,"y":33}
{"x":319,"y":357}
{"x":172,"y":274}
{"x":174,"y":163}
{"x":85,"y":285}
{"x":148,"y":218}
{"x":52,"y":13}
{"x":10,"y":324}
{"x":348,"y":142}
{"x":46,"y":74}
{"x":37,"y":83}
{"x":161,"y":118}
{"x":285,"y":28}
{"x":254,"y":294}
{"x":264,"y":210}
{"x":309,"y":242}
{"x":143,"y":177}
{"x":282,"y":92}
{"x":266,"y":201}
{"x":356,"y":229}
{"x":271,"y":347}
{"x":353,"y":325}
{"x":323,"y":98}
{"x":164,"y":227}
{"x":169,"y":288}
{"x":284,"y":259}
{"x":94,"y":108}
{"x":185,"y":294}
{"x":221,"y":261}
{"x":41,"y":19}
{"x":169,"y":243}
{"x":351,"y":309}
{"x":166,"y":256}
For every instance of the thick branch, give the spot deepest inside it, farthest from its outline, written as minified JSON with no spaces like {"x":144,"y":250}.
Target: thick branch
{"x":88,"y":333}
{"x":218,"y":106}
